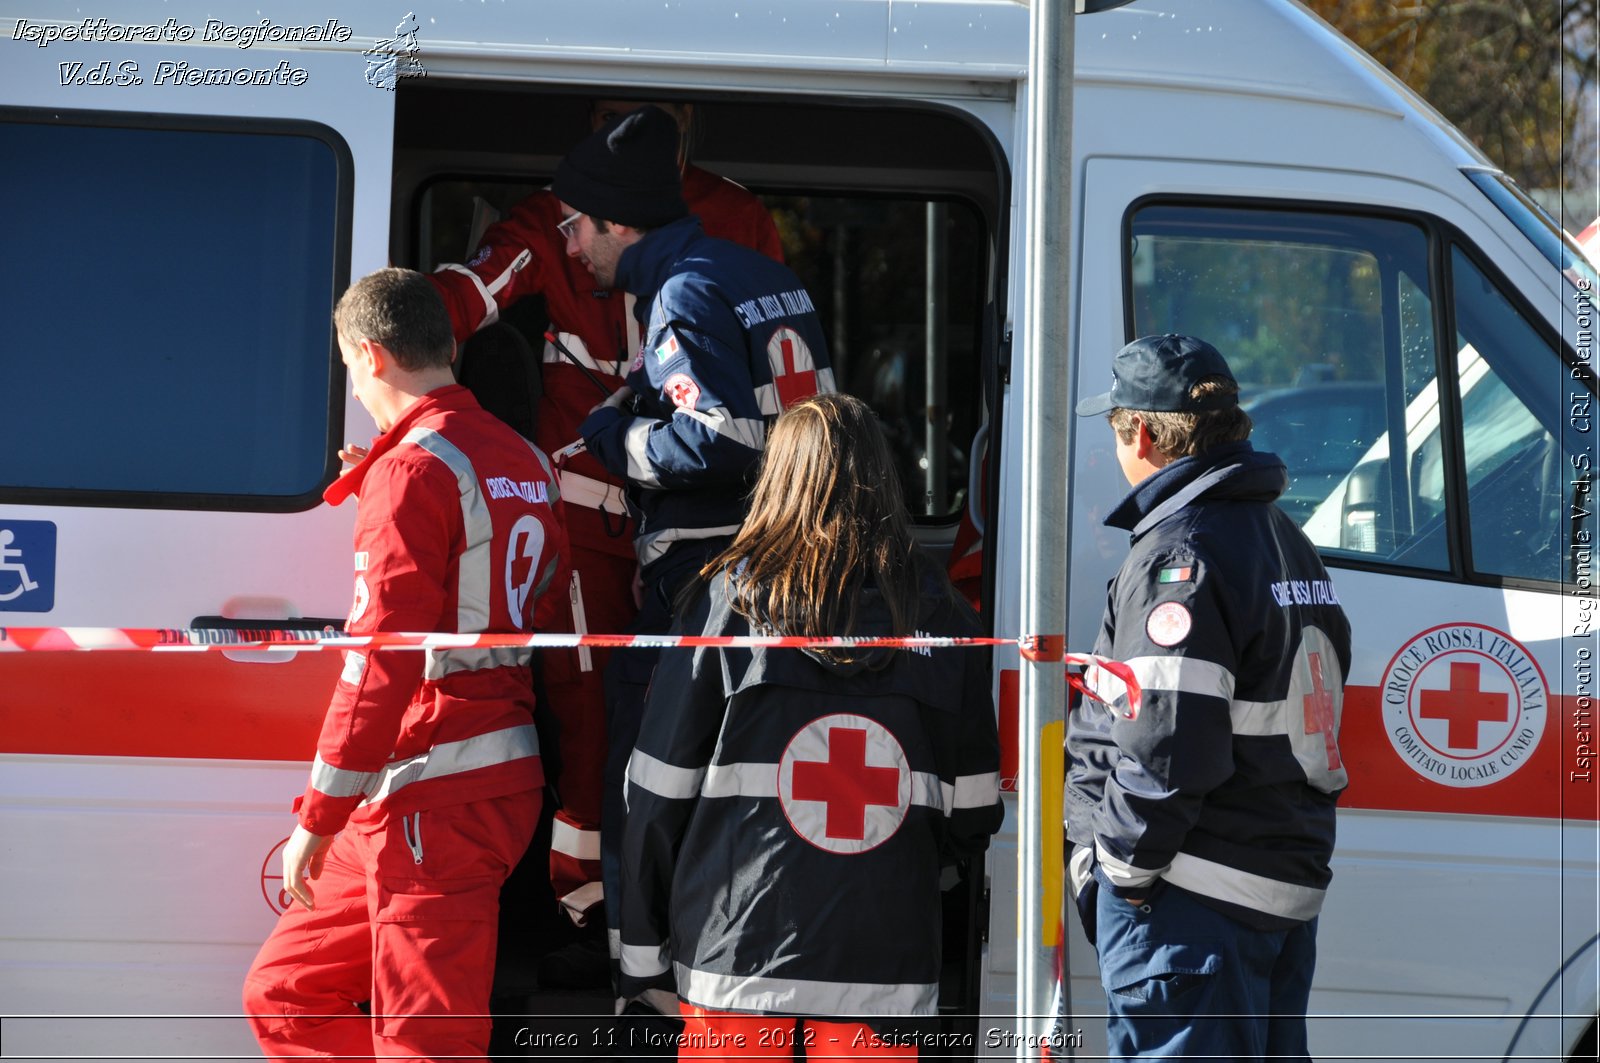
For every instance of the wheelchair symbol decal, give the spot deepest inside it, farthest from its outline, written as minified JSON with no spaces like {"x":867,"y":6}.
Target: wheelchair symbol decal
{"x":27,"y":565}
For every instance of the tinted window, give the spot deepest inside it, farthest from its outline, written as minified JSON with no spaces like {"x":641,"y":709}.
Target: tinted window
{"x":1511,"y":392}
{"x":1329,"y":323}
{"x":169,"y":339}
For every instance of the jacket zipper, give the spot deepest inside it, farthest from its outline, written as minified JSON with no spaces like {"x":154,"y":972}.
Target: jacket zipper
{"x":412,"y":830}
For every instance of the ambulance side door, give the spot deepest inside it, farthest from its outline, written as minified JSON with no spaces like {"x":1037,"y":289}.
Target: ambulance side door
{"x":1419,"y":398}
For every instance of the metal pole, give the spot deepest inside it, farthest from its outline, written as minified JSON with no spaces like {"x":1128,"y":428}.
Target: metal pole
{"x":934,"y":440}
{"x":1046,"y":456}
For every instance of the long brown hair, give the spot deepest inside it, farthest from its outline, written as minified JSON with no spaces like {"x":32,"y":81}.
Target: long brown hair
{"x":826,"y":517}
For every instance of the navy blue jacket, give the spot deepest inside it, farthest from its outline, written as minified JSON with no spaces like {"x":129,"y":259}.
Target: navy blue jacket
{"x":731,"y":339}
{"x":1225,"y":783}
{"x":788,"y":817}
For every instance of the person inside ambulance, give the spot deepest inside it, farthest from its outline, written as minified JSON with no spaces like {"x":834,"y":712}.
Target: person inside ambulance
{"x":730,"y":338}
{"x":595,"y":338}
{"x":1202,"y":826}
{"x":426,"y":786}
{"x":790,"y":810}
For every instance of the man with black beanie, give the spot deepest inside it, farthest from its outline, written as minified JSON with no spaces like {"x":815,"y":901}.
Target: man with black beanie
{"x":730,"y":338}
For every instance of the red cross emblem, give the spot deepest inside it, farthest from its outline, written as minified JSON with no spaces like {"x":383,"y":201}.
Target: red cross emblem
{"x":793,"y":369}
{"x":1319,"y":714}
{"x":1464,"y":705}
{"x":682,"y":390}
{"x":522,"y":558}
{"x":844,"y":783}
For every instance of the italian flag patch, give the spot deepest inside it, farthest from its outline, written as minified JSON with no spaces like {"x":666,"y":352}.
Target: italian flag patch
{"x":1176,"y":575}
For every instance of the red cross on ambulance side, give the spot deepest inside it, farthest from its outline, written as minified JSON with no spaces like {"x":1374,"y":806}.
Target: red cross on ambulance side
{"x":844,"y":783}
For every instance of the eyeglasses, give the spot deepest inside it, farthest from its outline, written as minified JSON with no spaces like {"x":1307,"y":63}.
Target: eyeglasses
{"x":568,"y":224}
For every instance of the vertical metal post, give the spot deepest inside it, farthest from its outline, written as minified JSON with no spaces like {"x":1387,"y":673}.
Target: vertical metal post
{"x":1046,"y":455}
{"x":935,"y":497}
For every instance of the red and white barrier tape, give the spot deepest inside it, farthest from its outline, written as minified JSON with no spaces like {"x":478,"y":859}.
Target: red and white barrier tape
{"x":192,"y":640}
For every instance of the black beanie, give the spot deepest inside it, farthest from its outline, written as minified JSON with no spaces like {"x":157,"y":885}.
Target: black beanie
{"x":626,"y":171}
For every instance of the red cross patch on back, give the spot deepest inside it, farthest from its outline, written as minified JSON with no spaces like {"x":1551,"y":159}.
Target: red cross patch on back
{"x":844,"y":783}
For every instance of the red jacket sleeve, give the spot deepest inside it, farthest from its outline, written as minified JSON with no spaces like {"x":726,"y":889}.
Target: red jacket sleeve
{"x":517,"y":256}
{"x":407,"y":528}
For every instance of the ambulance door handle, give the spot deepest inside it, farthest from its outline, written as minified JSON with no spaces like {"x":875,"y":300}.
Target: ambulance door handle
{"x":245,"y":623}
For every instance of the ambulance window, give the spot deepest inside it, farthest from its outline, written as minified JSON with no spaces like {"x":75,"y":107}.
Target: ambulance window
{"x":898,"y":283}
{"x":1510,"y":386}
{"x":177,"y":282}
{"x":1327,"y":321}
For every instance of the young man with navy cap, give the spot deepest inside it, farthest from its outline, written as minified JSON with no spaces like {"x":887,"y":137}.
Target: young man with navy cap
{"x":1202,"y":826}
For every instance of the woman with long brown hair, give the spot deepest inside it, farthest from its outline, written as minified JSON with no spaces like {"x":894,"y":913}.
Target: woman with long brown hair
{"x":790,"y":810}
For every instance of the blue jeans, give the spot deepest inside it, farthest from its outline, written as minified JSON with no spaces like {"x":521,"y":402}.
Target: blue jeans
{"x":1182,"y":979}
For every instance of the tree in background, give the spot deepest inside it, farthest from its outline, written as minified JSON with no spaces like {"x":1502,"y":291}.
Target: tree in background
{"x":1517,"y":77}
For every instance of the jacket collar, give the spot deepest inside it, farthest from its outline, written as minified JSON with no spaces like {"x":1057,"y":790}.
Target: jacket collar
{"x":644,"y":267}
{"x":1233,"y":470}
{"x":449,"y":397}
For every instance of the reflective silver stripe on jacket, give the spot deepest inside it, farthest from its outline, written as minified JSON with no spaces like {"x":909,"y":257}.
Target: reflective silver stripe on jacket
{"x":636,"y":444}
{"x":1120,"y":872}
{"x":453,"y":758}
{"x":800,"y":996}
{"x":1258,"y":717}
{"x":663,"y":779}
{"x":580,"y":352}
{"x":740,"y":780}
{"x":1183,"y":675}
{"x":553,"y":484}
{"x":491,"y":309}
{"x":473,"y":569}
{"x":653,"y":545}
{"x":1256,"y":892}
{"x":760,"y":779}
{"x":440,"y":663}
{"x":972,"y":791}
{"x":474,"y":578}
{"x":749,"y":431}
{"x":573,"y":842}
{"x":586,"y":491}
{"x":338,"y":782}
{"x":646,"y":961}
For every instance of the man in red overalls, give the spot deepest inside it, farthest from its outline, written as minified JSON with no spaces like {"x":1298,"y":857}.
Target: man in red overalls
{"x":426,"y":785}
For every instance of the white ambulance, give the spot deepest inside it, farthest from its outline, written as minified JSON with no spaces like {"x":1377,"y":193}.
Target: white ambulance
{"x":187,"y":187}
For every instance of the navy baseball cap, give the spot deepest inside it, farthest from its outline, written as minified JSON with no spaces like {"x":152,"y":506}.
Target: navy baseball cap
{"x":1156,"y":373}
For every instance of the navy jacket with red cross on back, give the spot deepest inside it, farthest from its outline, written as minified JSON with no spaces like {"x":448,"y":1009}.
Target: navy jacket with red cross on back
{"x":1224,"y":783}
{"x":788,"y":817}
{"x":731,"y":339}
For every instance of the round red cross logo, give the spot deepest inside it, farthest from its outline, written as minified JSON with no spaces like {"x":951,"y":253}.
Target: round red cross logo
{"x":844,"y":783}
{"x":277,"y":897}
{"x":1464,"y":704}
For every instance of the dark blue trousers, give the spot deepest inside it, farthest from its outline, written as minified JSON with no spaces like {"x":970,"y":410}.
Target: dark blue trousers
{"x":1183,"y":980}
